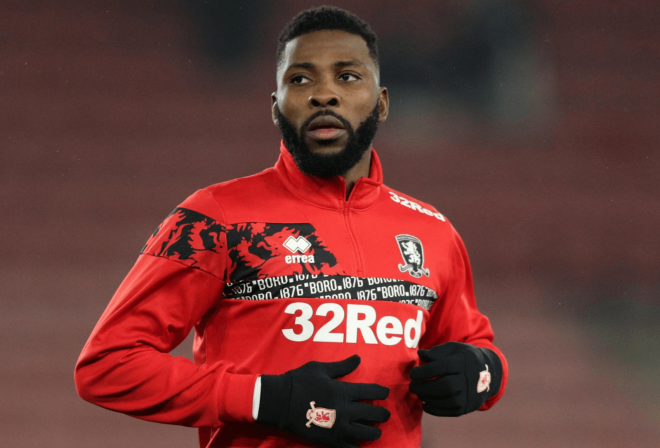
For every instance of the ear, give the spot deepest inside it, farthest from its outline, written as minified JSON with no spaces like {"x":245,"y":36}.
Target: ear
{"x":384,"y":104}
{"x":273,"y":108}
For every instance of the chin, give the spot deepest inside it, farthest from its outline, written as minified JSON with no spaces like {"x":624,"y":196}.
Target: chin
{"x":326,"y":148}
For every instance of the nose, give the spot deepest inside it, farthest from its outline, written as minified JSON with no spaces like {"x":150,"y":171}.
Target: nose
{"x":324,"y":96}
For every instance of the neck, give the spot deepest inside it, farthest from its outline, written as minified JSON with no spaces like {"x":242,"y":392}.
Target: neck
{"x":361,"y":169}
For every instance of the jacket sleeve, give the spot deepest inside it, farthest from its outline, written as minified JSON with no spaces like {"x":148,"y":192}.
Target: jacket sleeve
{"x":455,"y":316}
{"x":177,"y":280}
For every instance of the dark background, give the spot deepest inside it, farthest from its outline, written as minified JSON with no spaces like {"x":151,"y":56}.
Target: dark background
{"x":534,"y":126}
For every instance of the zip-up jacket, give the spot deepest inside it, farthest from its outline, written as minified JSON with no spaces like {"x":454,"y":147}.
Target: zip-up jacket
{"x":273,"y":271}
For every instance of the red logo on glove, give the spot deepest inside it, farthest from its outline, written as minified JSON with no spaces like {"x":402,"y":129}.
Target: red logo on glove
{"x":322,"y":417}
{"x":484,"y":381}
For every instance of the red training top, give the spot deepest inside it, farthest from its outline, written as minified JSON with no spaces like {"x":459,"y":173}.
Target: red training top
{"x":272,"y":271}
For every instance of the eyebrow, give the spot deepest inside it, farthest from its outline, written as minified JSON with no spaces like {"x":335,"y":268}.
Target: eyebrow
{"x":348,"y":63}
{"x":338,"y":64}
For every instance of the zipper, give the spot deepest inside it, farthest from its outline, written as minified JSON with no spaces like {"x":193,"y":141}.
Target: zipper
{"x":356,"y":249}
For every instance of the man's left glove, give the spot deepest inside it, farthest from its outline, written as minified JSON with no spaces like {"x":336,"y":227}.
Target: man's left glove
{"x":456,"y":379}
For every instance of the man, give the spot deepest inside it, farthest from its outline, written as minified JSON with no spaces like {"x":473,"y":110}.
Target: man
{"x":328,"y":308}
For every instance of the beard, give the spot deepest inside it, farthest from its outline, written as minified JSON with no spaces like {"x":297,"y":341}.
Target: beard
{"x":328,"y":165}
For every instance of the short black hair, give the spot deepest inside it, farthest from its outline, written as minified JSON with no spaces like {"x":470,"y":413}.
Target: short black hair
{"x":327,"y":18}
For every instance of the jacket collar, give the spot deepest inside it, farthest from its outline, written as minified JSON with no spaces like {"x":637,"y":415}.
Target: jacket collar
{"x":331,"y":192}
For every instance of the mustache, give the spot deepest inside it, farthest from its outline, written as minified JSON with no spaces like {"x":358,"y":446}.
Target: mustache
{"x":328,"y":112}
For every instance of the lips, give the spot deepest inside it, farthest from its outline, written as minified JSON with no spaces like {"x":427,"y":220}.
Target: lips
{"x":325,"y":127}
{"x":325,"y":121}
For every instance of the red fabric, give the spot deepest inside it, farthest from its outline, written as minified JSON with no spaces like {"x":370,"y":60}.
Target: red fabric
{"x":201,"y":269}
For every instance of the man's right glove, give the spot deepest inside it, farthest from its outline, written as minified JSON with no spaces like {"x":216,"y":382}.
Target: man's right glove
{"x":310,"y":402}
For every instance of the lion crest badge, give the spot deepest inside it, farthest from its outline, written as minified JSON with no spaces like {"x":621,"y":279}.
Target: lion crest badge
{"x":413,"y":255}
{"x":484,"y":381}
{"x":322,"y":417}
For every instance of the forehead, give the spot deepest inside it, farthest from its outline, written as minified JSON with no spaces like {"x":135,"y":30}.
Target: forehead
{"x":326,"y":46}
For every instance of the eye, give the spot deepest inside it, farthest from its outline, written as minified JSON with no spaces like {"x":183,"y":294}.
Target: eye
{"x":348,"y":77}
{"x":300,"y":79}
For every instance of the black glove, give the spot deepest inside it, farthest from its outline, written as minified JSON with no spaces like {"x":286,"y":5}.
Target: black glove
{"x":456,"y":379}
{"x":309,"y":402}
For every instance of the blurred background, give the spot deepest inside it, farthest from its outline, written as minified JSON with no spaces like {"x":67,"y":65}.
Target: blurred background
{"x":533,"y":125}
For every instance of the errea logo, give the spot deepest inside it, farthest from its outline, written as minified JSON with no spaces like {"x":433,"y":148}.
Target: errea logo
{"x":414,"y":205}
{"x":301,"y":245}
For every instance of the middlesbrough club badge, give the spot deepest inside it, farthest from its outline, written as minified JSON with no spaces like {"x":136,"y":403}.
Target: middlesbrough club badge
{"x":322,"y":417}
{"x":413,"y":255}
{"x":484,"y":381}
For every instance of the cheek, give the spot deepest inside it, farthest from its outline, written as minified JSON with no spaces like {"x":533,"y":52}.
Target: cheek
{"x":362,"y":106}
{"x":293,"y":109}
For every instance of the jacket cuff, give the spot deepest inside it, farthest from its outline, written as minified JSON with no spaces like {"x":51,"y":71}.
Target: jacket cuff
{"x":235,"y":397}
